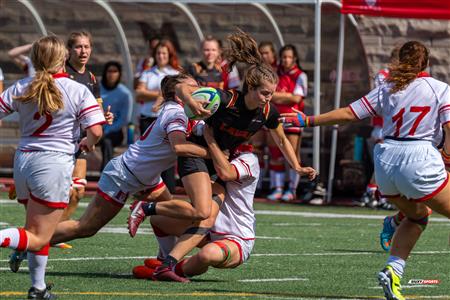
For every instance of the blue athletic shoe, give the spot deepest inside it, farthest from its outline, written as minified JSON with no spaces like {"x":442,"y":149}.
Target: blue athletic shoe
{"x":386,"y":234}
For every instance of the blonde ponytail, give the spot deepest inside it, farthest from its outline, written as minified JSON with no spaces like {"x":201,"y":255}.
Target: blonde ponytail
{"x":48,"y":56}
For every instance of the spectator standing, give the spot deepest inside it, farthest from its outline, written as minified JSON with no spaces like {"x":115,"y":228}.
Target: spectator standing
{"x":148,"y":93}
{"x":291,"y":90}
{"x":118,"y":98}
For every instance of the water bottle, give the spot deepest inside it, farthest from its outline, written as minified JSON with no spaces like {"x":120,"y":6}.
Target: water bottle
{"x":358,"y":148}
{"x":130,"y":134}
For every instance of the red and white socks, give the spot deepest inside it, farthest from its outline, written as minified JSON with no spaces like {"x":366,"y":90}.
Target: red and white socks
{"x":14,"y":238}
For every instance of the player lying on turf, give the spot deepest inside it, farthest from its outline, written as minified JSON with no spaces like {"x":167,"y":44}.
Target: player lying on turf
{"x":240,"y":115}
{"x":229,"y":242}
{"x":409,"y":169}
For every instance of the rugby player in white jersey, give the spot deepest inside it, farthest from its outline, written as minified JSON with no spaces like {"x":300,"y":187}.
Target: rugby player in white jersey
{"x":409,"y":168}
{"x":230,"y":241}
{"x":51,"y":108}
{"x":139,"y":168}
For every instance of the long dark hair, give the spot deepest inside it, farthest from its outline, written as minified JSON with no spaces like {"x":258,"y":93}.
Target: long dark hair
{"x":168,"y":85}
{"x":243,"y":48}
{"x":105,"y":70}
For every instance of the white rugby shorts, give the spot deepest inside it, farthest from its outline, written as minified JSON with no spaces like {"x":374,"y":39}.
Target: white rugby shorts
{"x":413,"y":169}
{"x":117,"y":182}
{"x":44,"y":177}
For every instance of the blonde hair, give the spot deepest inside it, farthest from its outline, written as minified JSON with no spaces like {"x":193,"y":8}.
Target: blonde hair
{"x":412,"y":59}
{"x":48,"y":56}
{"x":243,"y":48}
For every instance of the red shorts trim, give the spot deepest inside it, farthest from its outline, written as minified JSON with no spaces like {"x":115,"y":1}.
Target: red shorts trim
{"x":48,"y":203}
{"x":108,"y":198}
{"x":428,"y":197}
{"x":241,"y":260}
{"x":22,"y":201}
{"x":44,"y":251}
{"x":156,"y":187}
{"x":293,"y":130}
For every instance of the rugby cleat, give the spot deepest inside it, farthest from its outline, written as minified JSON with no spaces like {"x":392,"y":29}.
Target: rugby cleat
{"x":165,"y":273}
{"x":34,"y":293}
{"x":15,"y":260}
{"x":275,"y":195}
{"x":142,"y":272}
{"x":152,"y":263}
{"x":390,"y":282}
{"x":137,"y":216}
{"x":386,"y":234}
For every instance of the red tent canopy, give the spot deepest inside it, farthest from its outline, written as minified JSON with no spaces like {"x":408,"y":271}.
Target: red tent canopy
{"x":421,"y":9}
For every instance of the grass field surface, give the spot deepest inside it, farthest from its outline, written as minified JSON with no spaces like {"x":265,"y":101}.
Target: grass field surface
{"x":301,"y":252}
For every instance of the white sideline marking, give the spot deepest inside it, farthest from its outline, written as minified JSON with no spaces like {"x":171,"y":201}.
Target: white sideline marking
{"x":253,"y":255}
{"x":297,"y":224}
{"x":406,"y":286}
{"x":274,"y":279}
{"x":292,"y":213}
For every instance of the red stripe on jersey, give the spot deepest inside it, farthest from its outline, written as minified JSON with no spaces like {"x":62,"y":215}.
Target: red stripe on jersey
{"x":5,"y":106}
{"x":246,"y":165}
{"x":445,"y":107}
{"x":99,"y":123}
{"x":428,"y":197}
{"x":237,"y":171}
{"x":96,"y":110}
{"x":48,"y":203}
{"x":353,"y":112}
{"x":448,"y":122}
{"x":367,"y":103}
{"x":89,"y":107}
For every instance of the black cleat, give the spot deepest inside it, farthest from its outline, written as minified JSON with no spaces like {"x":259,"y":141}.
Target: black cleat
{"x":34,"y":293}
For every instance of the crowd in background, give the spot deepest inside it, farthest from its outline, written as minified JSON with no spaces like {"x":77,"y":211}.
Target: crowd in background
{"x":142,"y":106}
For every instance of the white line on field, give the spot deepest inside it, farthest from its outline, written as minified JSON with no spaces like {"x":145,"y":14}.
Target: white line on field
{"x":274,"y":279}
{"x":293,"y":213}
{"x":253,"y":255}
{"x":406,"y":286}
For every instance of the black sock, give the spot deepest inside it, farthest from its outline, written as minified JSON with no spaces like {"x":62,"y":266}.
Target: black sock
{"x":149,"y":208}
{"x":170,"y":261}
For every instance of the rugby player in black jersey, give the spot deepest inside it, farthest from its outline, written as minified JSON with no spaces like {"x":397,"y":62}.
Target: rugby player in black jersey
{"x":240,"y":115}
{"x":79,"y":45}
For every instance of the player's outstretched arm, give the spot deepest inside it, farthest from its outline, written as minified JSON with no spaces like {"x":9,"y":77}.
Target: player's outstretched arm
{"x":184,"y":92}
{"x":299,"y":119}
{"x":288,"y":152}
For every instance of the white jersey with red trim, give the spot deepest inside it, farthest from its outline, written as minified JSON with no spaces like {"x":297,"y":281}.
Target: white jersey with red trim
{"x":236,"y":216}
{"x":381,"y":76}
{"x":152,"y":153}
{"x":60,"y":130}
{"x":417,"y":112}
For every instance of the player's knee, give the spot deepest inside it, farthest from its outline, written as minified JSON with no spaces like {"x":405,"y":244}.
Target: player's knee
{"x":206,"y":255}
{"x":202,"y":213}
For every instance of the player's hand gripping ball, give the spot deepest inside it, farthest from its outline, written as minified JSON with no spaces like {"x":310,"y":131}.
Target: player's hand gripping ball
{"x":210,"y":99}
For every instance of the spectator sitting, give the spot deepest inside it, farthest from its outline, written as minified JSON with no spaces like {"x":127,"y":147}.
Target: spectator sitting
{"x":118,"y":98}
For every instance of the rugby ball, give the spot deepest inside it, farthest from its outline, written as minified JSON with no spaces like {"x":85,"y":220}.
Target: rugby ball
{"x":205,"y":93}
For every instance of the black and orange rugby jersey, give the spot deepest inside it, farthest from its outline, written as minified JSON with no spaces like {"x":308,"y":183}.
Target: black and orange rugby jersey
{"x":233,"y":123}
{"x":86,"y":78}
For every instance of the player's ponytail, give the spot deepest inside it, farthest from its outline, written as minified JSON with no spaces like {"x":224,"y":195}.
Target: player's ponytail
{"x":243,"y":48}
{"x":48,"y":55}
{"x":412,"y":59}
